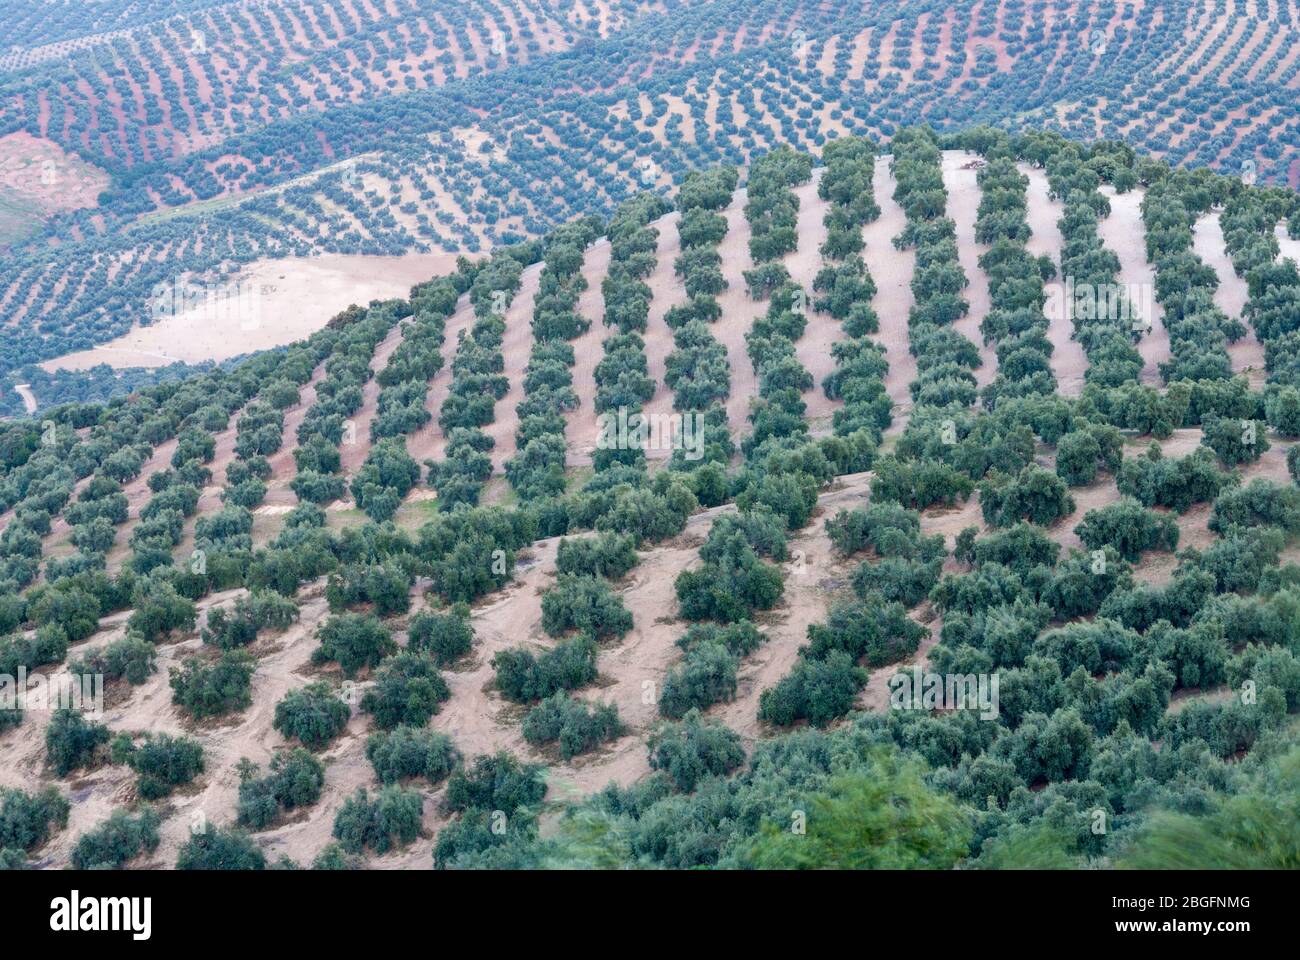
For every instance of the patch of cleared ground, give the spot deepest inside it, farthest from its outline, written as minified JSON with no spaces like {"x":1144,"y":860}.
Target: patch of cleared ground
{"x":273,"y":303}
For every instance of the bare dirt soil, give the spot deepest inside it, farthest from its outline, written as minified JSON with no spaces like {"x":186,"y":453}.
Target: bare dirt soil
{"x":280,"y":301}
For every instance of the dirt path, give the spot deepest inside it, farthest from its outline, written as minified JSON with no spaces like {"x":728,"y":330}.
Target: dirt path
{"x":580,"y":430}
{"x":424,"y":443}
{"x":1287,"y":247}
{"x":1069,"y":362}
{"x":1125,"y":233}
{"x":739,"y":312}
{"x":428,"y":443}
{"x":515,"y":348}
{"x":814,"y":348}
{"x":959,"y":177}
{"x":1247,"y":354}
{"x":892,"y":271}
{"x":353,"y":454}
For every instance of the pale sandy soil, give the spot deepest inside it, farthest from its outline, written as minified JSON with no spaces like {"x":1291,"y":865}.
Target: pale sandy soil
{"x":814,"y":348}
{"x":1069,"y":362}
{"x":41,"y":173}
{"x":1287,"y":247}
{"x":581,"y":430}
{"x":356,"y":443}
{"x":285,"y":300}
{"x":1124,"y":233}
{"x":963,"y":206}
{"x":1247,"y":354}
{"x":515,"y":348}
{"x":892,"y":271}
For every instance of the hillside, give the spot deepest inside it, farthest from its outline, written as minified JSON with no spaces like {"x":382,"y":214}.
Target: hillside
{"x":995,"y":407}
{"x":235,"y":135}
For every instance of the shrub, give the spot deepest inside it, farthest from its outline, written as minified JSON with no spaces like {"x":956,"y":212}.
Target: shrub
{"x":355,"y":640}
{"x":393,"y":818}
{"x":445,"y":636}
{"x":1080,"y":454}
{"x":815,"y":690}
{"x":1034,"y":494}
{"x":1234,"y":441}
{"x":605,"y":555}
{"x":408,"y":689}
{"x":211,"y":689}
{"x":295,"y":780}
{"x":411,"y":752}
{"x":117,"y":841}
{"x":159,"y":610}
{"x":523,"y":677}
{"x":585,"y":604}
{"x":313,"y":714}
{"x":881,"y":633}
{"x":72,"y":741}
{"x":1129,"y":528}
{"x":131,"y":658}
{"x":740,"y":639}
{"x":334,"y":857}
{"x":161,"y":762}
{"x":1154,"y":480}
{"x":238,"y":626}
{"x":706,"y":675}
{"x":220,"y":849}
{"x":26,"y":820}
{"x":691,"y":750}
{"x":1259,"y":503}
{"x":495,"y":782}
{"x":579,"y":727}
{"x":386,"y":586}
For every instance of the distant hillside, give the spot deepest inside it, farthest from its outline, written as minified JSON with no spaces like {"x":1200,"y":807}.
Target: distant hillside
{"x":235,"y":132}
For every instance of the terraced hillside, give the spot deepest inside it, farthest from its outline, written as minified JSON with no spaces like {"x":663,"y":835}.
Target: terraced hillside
{"x":611,"y":547}
{"x":241,"y":138}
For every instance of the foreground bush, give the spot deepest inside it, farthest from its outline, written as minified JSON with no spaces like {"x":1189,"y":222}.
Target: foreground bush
{"x":578,"y":727}
{"x":161,"y":762}
{"x":295,"y":780}
{"x":524,"y":677}
{"x":117,"y":841}
{"x":72,"y":741}
{"x":204,"y":689}
{"x":217,"y":848}
{"x":313,"y":714}
{"x":445,"y":636}
{"x":692,"y":750}
{"x":405,"y":752}
{"x":392,"y":819}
